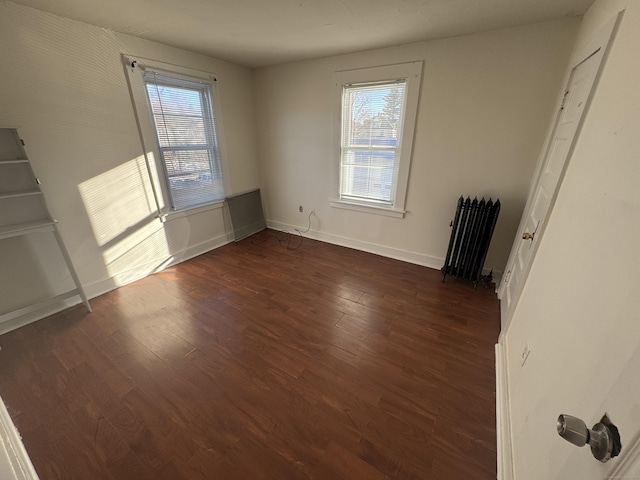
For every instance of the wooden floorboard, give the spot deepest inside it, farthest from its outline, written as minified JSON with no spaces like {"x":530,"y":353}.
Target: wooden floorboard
{"x":255,"y":361}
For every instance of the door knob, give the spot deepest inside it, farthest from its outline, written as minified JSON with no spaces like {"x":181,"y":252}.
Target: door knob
{"x":603,"y":438}
{"x":528,"y":236}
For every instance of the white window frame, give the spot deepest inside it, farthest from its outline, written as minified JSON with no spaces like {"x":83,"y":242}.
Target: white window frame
{"x":411,"y":74}
{"x":135,"y":68}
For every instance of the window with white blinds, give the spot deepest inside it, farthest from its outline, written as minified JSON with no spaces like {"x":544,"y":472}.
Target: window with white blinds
{"x":372,"y":117}
{"x":185,"y":124}
{"x":373,"y":130}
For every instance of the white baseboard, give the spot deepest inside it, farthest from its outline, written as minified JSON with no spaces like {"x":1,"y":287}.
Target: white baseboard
{"x":383,"y":250}
{"x":122,"y":278}
{"x":391,"y":252}
{"x":141,"y":271}
{"x":14,"y":461}
{"x":503,"y":417}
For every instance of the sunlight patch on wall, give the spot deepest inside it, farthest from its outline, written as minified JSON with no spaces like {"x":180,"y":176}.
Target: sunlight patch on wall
{"x":147,"y":246}
{"x":122,"y":210}
{"x":118,"y":200}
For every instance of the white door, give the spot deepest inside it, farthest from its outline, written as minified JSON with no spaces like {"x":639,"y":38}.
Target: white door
{"x":580,"y":87}
{"x":623,"y":408}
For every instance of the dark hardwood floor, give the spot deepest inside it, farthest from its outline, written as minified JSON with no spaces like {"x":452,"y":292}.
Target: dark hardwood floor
{"x":258,"y":362}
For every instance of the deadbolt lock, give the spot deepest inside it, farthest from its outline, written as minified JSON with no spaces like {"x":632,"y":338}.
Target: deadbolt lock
{"x":528,"y":236}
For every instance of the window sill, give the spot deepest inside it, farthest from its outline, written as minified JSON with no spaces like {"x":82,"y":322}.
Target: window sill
{"x":358,"y":207}
{"x":192,"y":211}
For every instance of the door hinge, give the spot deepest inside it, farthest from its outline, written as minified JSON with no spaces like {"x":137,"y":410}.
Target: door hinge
{"x":564,"y":99}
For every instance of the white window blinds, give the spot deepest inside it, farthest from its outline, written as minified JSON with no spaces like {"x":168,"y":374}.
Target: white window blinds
{"x":184,"y":121}
{"x":371,"y":132}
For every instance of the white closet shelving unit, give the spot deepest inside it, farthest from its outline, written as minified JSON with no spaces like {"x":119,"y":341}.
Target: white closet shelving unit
{"x":23,"y":211}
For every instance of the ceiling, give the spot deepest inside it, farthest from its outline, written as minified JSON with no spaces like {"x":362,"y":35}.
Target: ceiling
{"x":258,"y":33}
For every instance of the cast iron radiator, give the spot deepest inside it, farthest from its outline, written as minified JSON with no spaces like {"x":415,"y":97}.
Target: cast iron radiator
{"x":471,"y":232}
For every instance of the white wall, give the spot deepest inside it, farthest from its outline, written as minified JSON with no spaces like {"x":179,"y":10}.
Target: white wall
{"x":485,"y":102}
{"x":64,"y":87}
{"x":579,"y":307}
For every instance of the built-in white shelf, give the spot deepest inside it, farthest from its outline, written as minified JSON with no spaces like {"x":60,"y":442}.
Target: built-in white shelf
{"x":22,"y":199}
{"x":16,"y":160}
{"x":5,"y":317}
{"x":20,"y":193}
{"x":17,"y":229}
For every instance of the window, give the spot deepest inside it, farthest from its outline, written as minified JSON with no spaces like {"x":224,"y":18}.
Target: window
{"x":376,"y":123}
{"x":184,"y":121}
{"x":372,"y":117}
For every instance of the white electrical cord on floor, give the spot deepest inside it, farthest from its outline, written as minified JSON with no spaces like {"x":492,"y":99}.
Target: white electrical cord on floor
{"x":299,"y":232}
{"x":287,"y":237}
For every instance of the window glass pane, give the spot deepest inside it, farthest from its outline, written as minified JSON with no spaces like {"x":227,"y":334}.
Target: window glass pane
{"x":178,"y":115}
{"x":175,"y":131}
{"x":371,"y":130}
{"x":189,"y":161}
{"x":175,"y":100}
{"x":185,"y":128}
{"x":368,"y":174}
{"x":187,"y":192}
{"x":372,"y":115}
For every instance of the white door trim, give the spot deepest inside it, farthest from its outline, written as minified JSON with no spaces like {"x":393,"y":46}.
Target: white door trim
{"x":14,"y":460}
{"x":503,"y":416}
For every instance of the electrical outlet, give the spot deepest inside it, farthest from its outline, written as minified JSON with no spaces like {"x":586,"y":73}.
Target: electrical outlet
{"x":526,"y":352}
{"x":301,"y":208}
